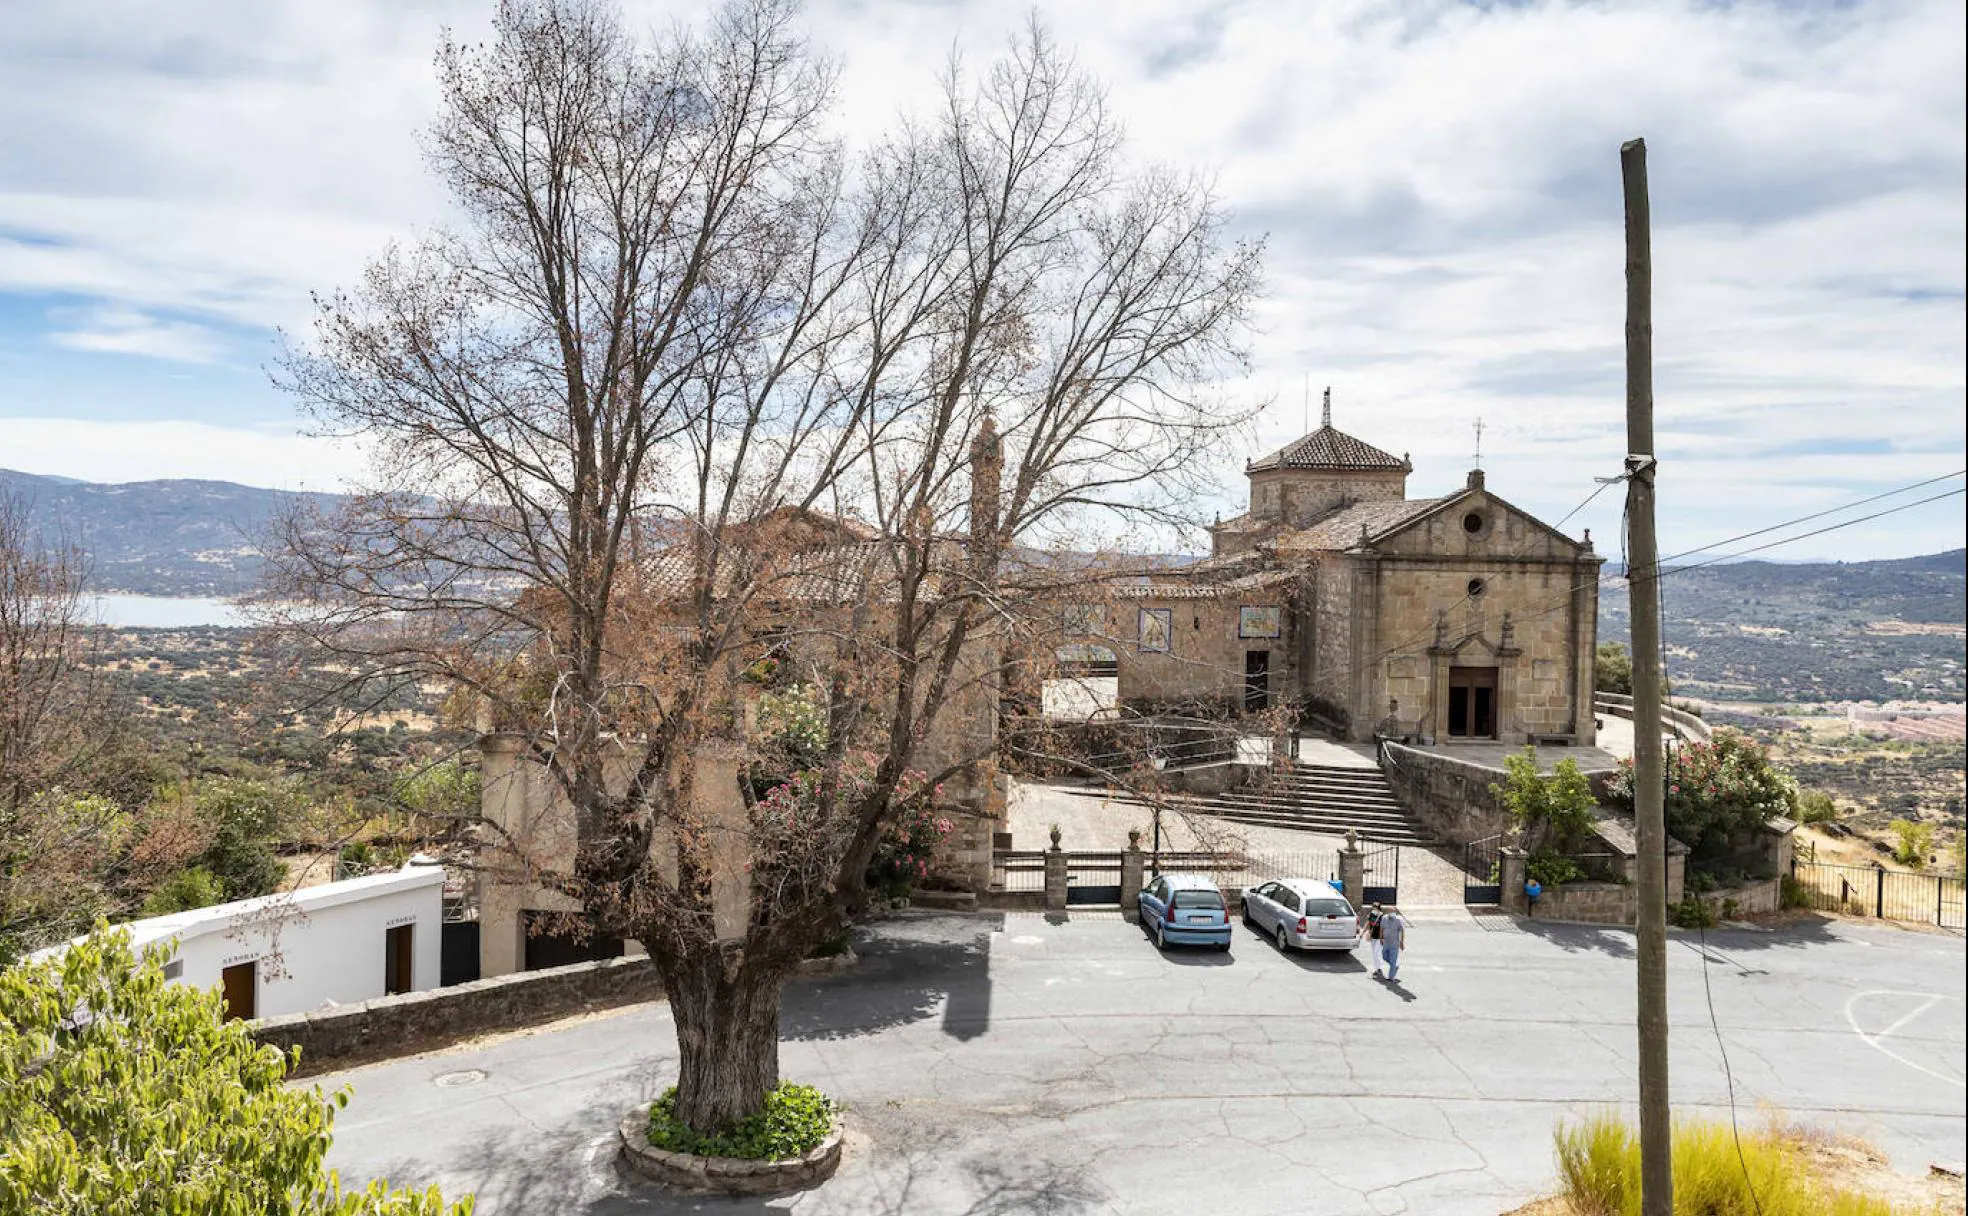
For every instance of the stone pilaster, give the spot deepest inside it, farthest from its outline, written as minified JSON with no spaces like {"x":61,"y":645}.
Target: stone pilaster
{"x":1133,"y":863}
{"x":1055,"y":880}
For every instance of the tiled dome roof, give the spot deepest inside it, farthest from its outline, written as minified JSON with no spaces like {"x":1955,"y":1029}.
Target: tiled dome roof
{"x":1329,"y":448}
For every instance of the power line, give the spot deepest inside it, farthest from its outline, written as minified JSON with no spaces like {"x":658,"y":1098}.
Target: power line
{"x":1791,"y":540}
{"x":1815,"y":515}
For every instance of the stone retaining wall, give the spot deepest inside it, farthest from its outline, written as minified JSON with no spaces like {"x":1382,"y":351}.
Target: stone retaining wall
{"x":1596,"y":903}
{"x":420,"y":1021}
{"x":1450,"y":797}
{"x":414,"y":1022}
{"x":1752,"y":899}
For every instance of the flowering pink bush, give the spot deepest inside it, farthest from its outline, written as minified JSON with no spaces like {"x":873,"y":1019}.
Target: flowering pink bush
{"x":1715,"y":791}
{"x":799,"y":826}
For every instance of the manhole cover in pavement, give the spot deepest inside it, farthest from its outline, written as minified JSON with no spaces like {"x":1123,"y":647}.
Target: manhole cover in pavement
{"x":452,"y":1080}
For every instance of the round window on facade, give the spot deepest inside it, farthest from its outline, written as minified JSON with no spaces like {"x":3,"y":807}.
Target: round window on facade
{"x":1472,"y":523}
{"x":1476,"y":587}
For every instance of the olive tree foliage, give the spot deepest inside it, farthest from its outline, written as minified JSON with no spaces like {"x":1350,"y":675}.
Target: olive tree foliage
{"x":122,"y":1093}
{"x":692,"y":386}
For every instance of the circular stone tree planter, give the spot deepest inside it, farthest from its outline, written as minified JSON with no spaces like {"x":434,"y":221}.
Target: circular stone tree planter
{"x":694,"y":1175}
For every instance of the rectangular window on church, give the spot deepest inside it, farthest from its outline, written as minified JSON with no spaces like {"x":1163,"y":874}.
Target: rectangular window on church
{"x":1157,"y":628}
{"x":1257,"y":623}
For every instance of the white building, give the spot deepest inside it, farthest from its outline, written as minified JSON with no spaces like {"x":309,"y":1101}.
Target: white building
{"x":333,"y":944}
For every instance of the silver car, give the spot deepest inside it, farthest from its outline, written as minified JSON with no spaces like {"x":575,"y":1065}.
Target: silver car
{"x":1302,"y":914}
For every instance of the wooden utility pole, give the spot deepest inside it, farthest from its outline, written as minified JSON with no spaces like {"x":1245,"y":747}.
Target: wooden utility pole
{"x":1643,"y":587}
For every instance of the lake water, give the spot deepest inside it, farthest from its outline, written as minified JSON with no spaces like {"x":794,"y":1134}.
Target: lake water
{"x":164,"y":612}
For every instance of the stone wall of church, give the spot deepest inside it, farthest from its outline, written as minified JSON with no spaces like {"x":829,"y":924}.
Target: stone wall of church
{"x":1205,"y":656}
{"x":1333,"y":630}
{"x":1543,"y":665}
{"x":1300,"y":496}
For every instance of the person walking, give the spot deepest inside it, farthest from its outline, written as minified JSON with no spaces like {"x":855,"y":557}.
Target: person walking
{"x":1373,"y":937}
{"x":1393,"y":939}
{"x":1532,"y":889}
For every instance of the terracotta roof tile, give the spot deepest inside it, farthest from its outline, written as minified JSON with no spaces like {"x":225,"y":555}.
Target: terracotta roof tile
{"x":1341,"y":529}
{"x":1329,"y":448}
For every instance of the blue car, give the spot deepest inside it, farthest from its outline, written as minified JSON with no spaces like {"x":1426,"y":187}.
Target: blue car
{"x":1185,"y":910}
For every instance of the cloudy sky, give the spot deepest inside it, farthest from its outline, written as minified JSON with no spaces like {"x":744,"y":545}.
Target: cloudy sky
{"x":1440,"y":183}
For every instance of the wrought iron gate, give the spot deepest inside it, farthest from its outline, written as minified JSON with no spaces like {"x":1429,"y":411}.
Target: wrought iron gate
{"x":1093,"y":878}
{"x":1381,"y":875}
{"x":1482,"y":881}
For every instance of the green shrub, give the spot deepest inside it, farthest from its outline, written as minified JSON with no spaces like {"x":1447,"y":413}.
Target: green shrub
{"x":156,"y":1103}
{"x":1793,"y":894}
{"x":1692,"y":913}
{"x":1913,"y":842}
{"x":1556,"y":810}
{"x":1551,"y":868}
{"x":1816,"y":806}
{"x":1715,"y":791}
{"x":1599,"y":1169}
{"x":183,"y":891}
{"x":794,"y":1120}
{"x":1612,"y":669}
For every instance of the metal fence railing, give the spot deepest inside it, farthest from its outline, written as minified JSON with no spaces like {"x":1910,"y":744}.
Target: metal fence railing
{"x":1020,"y":870}
{"x":1933,"y":899}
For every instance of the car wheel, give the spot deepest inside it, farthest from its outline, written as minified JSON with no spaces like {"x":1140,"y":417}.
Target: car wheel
{"x":1284,"y":942}
{"x":1161,"y":941}
{"x":1248,"y":922}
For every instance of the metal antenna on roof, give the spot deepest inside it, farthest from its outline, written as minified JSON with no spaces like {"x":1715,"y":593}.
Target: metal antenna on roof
{"x":1305,"y":399}
{"x":1479,"y":441}
{"x":1325,"y":410}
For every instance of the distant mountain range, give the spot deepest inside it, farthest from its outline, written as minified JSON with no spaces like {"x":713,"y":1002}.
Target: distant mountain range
{"x":177,"y":538}
{"x":1811,"y":631}
{"x":1740,"y":630}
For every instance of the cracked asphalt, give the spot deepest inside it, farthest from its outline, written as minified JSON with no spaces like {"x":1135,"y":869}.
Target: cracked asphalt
{"x":1005,"y":1063}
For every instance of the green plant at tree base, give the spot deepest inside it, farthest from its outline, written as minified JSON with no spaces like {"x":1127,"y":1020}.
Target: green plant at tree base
{"x":123,"y":1094}
{"x":1913,"y":843}
{"x":793,"y":1122}
{"x":1716,"y":1173}
{"x":1792,"y":894}
{"x":183,"y":891}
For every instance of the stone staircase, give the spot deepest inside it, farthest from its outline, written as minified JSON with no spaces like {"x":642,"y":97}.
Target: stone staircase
{"x":1317,"y":798}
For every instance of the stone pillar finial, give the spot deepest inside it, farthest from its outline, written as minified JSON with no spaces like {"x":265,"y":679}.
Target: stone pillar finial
{"x":1441,"y":629}
{"x":1507,"y":631}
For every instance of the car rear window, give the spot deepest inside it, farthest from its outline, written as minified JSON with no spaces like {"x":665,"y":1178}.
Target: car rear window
{"x":1327,"y":907}
{"x":1198,"y":899}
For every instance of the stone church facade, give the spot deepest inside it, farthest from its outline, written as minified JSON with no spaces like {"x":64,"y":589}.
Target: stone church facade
{"x":1450,"y":618}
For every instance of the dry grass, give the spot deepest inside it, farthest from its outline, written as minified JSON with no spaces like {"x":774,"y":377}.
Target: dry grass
{"x":1783,"y":1169}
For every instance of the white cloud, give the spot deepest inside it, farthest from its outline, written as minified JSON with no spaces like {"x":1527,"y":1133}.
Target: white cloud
{"x":125,"y":331}
{"x":143,"y":451}
{"x":1440,"y":181}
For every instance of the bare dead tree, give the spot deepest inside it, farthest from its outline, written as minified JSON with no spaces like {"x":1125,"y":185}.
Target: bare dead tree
{"x":690,"y":390}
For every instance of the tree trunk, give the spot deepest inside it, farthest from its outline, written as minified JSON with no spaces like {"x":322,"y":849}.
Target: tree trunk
{"x":727,"y":1041}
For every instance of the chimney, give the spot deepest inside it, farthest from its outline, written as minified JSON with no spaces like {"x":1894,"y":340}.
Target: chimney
{"x":986,"y":473}
{"x":1325,"y":410}
{"x":1475,"y":479}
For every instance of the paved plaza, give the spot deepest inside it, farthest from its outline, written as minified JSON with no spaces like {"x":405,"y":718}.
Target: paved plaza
{"x":1005,"y":1063}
